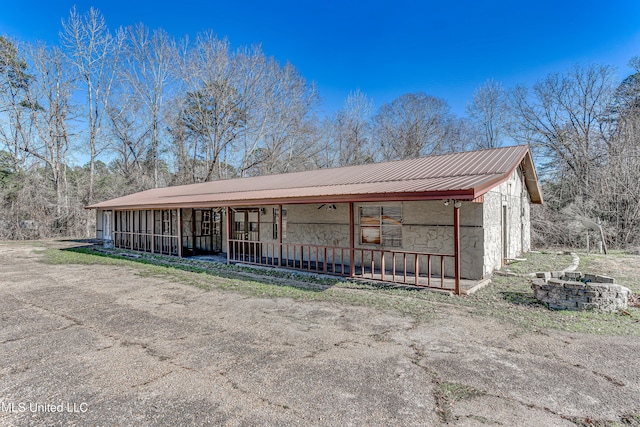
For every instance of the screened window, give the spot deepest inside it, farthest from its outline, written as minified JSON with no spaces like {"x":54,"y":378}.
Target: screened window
{"x":381,"y":225}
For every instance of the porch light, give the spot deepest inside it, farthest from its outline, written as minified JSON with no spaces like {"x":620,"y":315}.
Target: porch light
{"x":446,"y":202}
{"x":457,"y":204}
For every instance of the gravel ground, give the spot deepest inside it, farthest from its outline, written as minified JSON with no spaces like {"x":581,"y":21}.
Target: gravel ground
{"x":108,"y":346}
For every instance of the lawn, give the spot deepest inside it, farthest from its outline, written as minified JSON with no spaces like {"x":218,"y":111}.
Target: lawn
{"x":508,"y":299}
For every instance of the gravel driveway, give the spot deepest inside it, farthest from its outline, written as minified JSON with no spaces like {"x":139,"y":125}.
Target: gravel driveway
{"x":108,"y":346}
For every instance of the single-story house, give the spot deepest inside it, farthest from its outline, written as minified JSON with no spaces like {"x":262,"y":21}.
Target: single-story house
{"x":428,"y":221}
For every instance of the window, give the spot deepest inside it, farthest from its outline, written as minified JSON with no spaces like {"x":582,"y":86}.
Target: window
{"x":206,"y":223}
{"x":381,"y":225}
{"x":275,"y":223}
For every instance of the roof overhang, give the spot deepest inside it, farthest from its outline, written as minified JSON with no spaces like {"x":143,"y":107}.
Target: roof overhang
{"x":467,"y":176}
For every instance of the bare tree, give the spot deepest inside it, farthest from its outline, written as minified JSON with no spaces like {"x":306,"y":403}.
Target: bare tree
{"x":214,"y":111}
{"x":54,"y":89}
{"x":412,"y":125}
{"x":279,"y":135}
{"x":488,"y":111}
{"x":565,"y":116}
{"x":94,"y":52}
{"x":148,"y":74}
{"x":349,"y":132}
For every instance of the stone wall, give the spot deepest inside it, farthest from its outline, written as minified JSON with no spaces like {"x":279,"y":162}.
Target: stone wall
{"x":573,"y":291}
{"x":513,"y":197}
{"x":427,"y":227}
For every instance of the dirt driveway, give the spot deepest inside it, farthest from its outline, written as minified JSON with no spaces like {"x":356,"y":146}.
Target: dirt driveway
{"x":108,"y":346}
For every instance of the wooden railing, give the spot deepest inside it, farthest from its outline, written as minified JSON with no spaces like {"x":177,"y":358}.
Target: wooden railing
{"x":411,"y":268}
{"x":146,"y":242}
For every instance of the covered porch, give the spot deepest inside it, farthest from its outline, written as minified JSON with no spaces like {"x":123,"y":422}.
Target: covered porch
{"x":257,"y":235}
{"x":339,"y":247}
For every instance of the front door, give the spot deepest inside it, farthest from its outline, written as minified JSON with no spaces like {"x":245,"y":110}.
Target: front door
{"x":207,"y":231}
{"x":201,"y":231}
{"x":246,"y":231}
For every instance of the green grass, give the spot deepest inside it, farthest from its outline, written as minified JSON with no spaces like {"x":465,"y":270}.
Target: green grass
{"x":511,"y":300}
{"x":541,"y":261}
{"x":508,"y":299}
{"x":622,"y":266}
{"x":253,"y":282}
{"x":447,"y":393}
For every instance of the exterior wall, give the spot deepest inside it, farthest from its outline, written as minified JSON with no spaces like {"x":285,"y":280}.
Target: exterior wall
{"x":514,"y":197}
{"x":427,"y":227}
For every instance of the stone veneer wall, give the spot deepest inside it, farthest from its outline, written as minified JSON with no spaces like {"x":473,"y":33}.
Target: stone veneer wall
{"x":514,"y":196}
{"x":573,"y":291}
{"x":427,"y":227}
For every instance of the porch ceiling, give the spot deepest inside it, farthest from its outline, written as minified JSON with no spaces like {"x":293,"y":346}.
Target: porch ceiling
{"x":463,"y":176}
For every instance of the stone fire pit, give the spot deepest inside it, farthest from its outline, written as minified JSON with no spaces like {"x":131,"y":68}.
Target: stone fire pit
{"x":575,"y":291}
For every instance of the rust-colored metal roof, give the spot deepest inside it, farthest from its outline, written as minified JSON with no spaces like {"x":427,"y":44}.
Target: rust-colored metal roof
{"x":463,"y":176}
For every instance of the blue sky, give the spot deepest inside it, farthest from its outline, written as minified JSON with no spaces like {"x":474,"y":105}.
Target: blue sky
{"x":384,"y":48}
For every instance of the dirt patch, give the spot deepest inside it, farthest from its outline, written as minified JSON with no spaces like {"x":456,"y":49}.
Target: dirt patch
{"x":115,"y":344}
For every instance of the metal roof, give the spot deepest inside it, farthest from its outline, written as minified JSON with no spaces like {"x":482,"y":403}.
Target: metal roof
{"x":464,"y":176}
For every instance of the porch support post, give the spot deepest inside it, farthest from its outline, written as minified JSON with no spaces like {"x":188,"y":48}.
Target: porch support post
{"x":179,"y":232}
{"x":456,"y":245}
{"x":352,"y":239}
{"x":153,"y":231}
{"x":280,"y":235}
{"x":228,"y":235}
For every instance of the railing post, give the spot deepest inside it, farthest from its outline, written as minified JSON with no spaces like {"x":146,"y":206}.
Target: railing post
{"x":228,"y":234}
{"x":179,"y":232}
{"x":456,"y":245}
{"x":280,"y":235}
{"x":352,"y":239}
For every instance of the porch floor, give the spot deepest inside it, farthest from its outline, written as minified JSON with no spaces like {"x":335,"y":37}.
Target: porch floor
{"x":467,"y":286}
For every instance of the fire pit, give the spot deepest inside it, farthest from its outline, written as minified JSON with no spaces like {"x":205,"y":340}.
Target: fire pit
{"x":575,"y":291}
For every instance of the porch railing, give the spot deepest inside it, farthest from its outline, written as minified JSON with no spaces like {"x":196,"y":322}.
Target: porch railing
{"x":404,"y":267}
{"x":146,"y":242}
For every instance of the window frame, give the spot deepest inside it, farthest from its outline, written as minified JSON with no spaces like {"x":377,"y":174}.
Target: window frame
{"x":380,"y":228}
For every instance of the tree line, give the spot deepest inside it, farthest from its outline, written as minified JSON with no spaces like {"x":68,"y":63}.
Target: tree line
{"x":104,"y":113}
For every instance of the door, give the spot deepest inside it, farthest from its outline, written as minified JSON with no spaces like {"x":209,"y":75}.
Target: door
{"x":202,"y":232}
{"x":246,"y":231}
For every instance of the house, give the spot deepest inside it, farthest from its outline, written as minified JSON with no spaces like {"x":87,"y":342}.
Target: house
{"x":429,"y":221}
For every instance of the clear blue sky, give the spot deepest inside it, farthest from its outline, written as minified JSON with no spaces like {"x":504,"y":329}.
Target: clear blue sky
{"x":385,"y":48}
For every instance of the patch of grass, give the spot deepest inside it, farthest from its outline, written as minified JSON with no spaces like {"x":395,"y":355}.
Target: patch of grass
{"x":632,"y":420}
{"x":446,"y":394}
{"x":254,"y":282}
{"x":540,"y":261}
{"x":622,"y":266}
{"x":508,"y":299}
